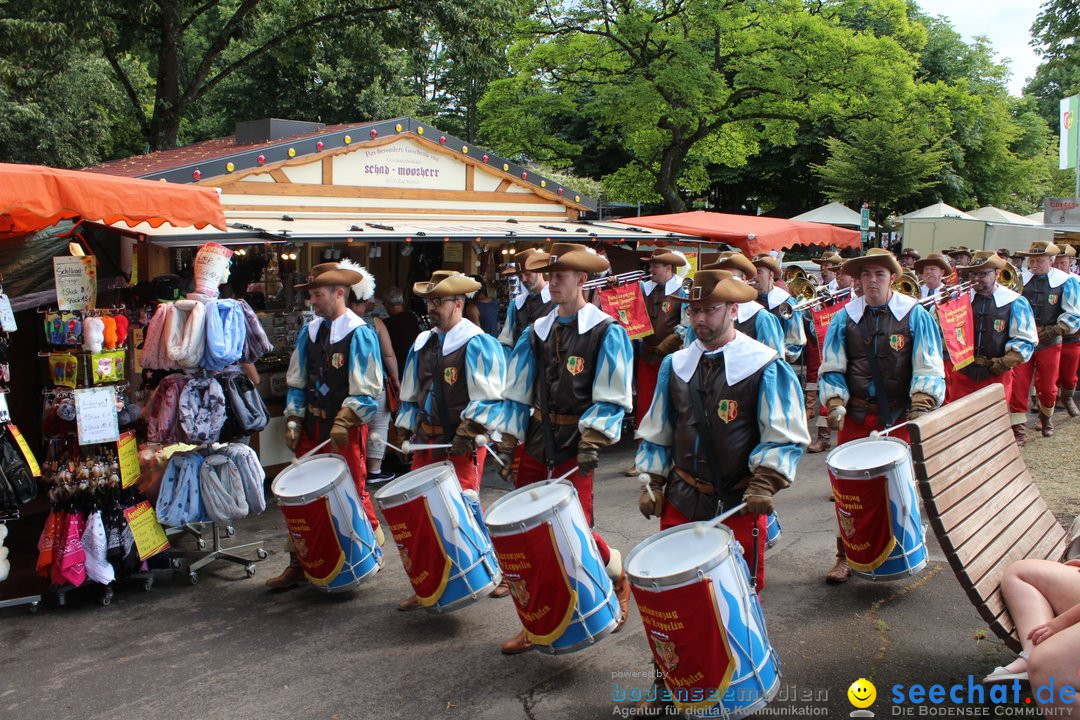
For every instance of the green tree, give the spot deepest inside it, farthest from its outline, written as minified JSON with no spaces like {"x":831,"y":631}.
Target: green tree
{"x":679,"y":85}
{"x":1054,"y":37}
{"x":882,"y":163}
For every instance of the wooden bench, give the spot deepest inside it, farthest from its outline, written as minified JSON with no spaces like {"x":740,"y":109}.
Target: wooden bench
{"x":981,"y":502}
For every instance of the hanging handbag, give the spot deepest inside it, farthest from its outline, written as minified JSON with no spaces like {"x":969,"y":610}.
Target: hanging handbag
{"x":16,"y":471}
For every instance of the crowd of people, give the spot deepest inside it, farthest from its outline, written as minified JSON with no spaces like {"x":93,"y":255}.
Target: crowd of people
{"x":727,"y":386}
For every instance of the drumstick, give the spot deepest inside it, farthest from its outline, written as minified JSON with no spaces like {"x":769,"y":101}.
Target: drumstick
{"x":482,"y":441}
{"x":296,"y":460}
{"x":567,"y":474}
{"x":721,"y":518}
{"x":645,"y":480}
{"x":377,"y":439}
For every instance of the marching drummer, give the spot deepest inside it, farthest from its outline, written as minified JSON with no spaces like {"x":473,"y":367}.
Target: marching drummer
{"x":335,"y":375}
{"x":767,"y":272}
{"x":1004,"y":334}
{"x":1055,"y":301}
{"x":1070,"y":345}
{"x":568,"y":389}
{"x":726,"y":424}
{"x":933,"y":271}
{"x":451,"y":390}
{"x":881,"y":363}
{"x":529,"y":306}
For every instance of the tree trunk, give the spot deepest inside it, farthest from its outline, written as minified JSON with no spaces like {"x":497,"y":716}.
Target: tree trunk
{"x":165,"y":122}
{"x":667,"y":179}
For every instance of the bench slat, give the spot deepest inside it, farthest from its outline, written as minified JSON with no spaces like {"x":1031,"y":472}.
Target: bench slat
{"x":961,"y":528}
{"x":957,"y":487}
{"x":938,"y":421}
{"x":941,"y":450}
{"x":1012,"y":544}
{"x":941,"y":475}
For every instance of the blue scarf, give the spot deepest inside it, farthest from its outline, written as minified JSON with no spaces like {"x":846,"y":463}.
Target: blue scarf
{"x":225,"y":334}
{"x":179,"y":501}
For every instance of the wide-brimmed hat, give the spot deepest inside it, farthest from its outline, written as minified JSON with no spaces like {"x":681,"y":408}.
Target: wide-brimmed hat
{"x":712,"y":287}
{"x":829,"y":258}
{"x":567,"y":256}
{"x":668,"y":257}
{"x":518,"y":265}
{"x":983,"y":260}
{"x":961,"y":250}
{"x":936,"y":259}
{"x":734,"y":261}
{"x":768,"y":261}
{"x":911,"y":252}
{"x":1068,"y":250}
{"x":1041,"y":248}
{"x":330,"y":275}
{"x":445,"y":283}
{"x":874,"y":256}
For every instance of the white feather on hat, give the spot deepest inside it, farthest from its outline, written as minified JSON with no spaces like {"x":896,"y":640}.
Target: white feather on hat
{"x":365,"y":289}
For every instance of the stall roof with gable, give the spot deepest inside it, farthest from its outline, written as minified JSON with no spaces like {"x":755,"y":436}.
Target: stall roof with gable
{"x":833,"y":214}
{"x":937,"y":210}
{"x":750,"y":233}
{"x":997,"y":215}
{"x":33,"y":197}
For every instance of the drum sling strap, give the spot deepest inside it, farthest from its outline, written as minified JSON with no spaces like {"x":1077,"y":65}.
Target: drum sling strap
{"x":550,"y":457}
{"x":704,"y":437}
{"x":439,"y":393}
{"x":886,"y":415}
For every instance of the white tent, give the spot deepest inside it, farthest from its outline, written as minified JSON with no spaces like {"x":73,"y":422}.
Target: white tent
{"x":997,"y":215}
{"x":937,"y":210}
{"x":1036,"y":217}
{"x":833,"y":214}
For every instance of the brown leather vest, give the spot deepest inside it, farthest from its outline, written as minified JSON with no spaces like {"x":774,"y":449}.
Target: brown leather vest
{"x":327,"y":379}
{"x":991,"y":333}
{"x":449,"y":371}
{"x":893,"y":355}
{"x":1045,"y":303}
{"x":531,"y":310}
{"x":664,"y":315}
{"x":749,"y":327}
{"x":732,"y":412}
{"x":566,"y":366}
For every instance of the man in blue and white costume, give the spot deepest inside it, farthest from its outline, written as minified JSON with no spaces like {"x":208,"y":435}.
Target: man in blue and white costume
{"x":335,"y":377}
{"x":451,"y":390}
{"x":568,"y":389}
{"x":752,"y":429}
{"x":750,"y":320}
{"x":533,"y":303}
{"x":881,"y":364}
{"x":772,"y":297}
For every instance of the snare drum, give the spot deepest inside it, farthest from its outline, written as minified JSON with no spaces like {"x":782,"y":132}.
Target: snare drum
{"x":772,"y":530}
{"x":546,"y":550}
{"x":446,"y":553}
{"x":877,"y":508}
{"x":703,"y":621}
{"x":329,"y":529}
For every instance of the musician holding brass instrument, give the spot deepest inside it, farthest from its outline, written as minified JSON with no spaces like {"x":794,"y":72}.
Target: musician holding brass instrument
{"x":528,"y":307}
{"x":1004,"y":333}
{"x":934,"y":269}
{"x":772,"y":297}
{"x":1055,"y":301}
{"x":881,"y":364}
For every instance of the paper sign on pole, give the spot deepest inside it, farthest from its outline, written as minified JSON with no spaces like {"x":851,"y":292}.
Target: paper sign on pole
{"x":95,"y":415}
{"x":76,"y":282}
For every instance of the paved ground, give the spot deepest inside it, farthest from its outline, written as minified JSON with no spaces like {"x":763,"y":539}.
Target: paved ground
{"x":227,"y":649}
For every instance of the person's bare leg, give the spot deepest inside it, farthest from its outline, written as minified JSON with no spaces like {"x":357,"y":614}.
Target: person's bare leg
{"x":1056,"y":658}
{"x":1037,"y":591}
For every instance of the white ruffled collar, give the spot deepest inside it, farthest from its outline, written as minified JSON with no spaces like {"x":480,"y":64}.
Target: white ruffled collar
{"x":1056,"y":277}
{"x":743,"y":357}
{"x":519,"y":301}
{"x":460,"y":334}
{"x":776,"y":296}
{"x":1002,"y":296}
{"x":670,"y":287}
{"x":899,"y":304}
{"x":747,"y":310}
{"x":588,"y":317}
{"x":343,"y":325}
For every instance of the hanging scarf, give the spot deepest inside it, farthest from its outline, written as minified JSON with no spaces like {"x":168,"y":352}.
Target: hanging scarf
{"x":95,"y":545}
{"x":155,"y":351}
{"x":162,"y":425}
{"x":202,"y":410}
{"x":225,"y":334}
{"x":179,"y":502}
{"x":47,"y":543}
{"x":252,"y":475}
{"x":69,"y":563}
{"x":187,"y":333}
{"x":256,"y":344}
{"x":222,"y":490}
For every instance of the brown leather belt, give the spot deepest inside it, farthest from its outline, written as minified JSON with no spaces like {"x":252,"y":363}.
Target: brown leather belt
{"x":431,"y":430}
{"x":317,"y":412}
{"x":868,"y":405}
{"x":557,"y":419}
{"x":702,"y":487}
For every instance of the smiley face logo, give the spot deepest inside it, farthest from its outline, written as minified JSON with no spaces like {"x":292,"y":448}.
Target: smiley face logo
{"x":862,"y":693}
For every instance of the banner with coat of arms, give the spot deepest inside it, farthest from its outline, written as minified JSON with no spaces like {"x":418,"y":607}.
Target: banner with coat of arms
{"x":957,"y":330}
{"x":627,"y":305}
{"x":421,"y":548}
{"x":862,"y":512}
{"x":533,"y":568}
{"x":822,"y":317}
{"x":689,"y":641}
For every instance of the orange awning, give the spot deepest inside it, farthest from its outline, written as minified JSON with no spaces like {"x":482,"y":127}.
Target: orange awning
{"x":750,"y":233}
{"x":33,"y":197}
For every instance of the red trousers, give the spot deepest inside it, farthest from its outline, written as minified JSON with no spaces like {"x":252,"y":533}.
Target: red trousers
{"x":1070,"y":363}
{"x":812,"y":358}
{"x":1043,"y":365}
{"x":531,"y":470}
{"x":468,"y":471}
{"x":354,"y":457}
{"x":645,"y":382}
{"x":742,"y":526}
{"x":854,"y":430}
{"x":959,"y":384}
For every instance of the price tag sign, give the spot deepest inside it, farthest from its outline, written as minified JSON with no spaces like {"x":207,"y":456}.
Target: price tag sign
{"x":95,"y":415}
{"x":76,"y":282}
{"x":149,"y":535}
{"x":128,"y":451}
{"x":7,"y":315}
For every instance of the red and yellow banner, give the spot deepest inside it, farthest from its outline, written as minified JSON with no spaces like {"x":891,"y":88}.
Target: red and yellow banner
{"x":533,"y":568}
{"x":315,"y":539}
{"x":689,"y":642}
{"x":421,"y":548}
{"x":862,"y":511}
{"x":957,"y":330}
{"x":823,"y":317}
{"x":626,"y":304}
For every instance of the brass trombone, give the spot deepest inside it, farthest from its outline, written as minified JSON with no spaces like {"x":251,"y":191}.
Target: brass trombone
{"x":614,"y":280}
{"x":785,"y":311}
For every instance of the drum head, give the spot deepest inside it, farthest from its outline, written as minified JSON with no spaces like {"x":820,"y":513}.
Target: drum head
{"x":414,"y":481}
{"x":527,"y":502}
{"x":310,"y":477}
{"x":869,"y":455}
{"x":677,"y":553}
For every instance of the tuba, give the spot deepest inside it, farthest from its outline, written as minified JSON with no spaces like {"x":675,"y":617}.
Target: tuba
{"x":907,"y":284}
{"x":1011,"y":278}
{"x":791,"y":272}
